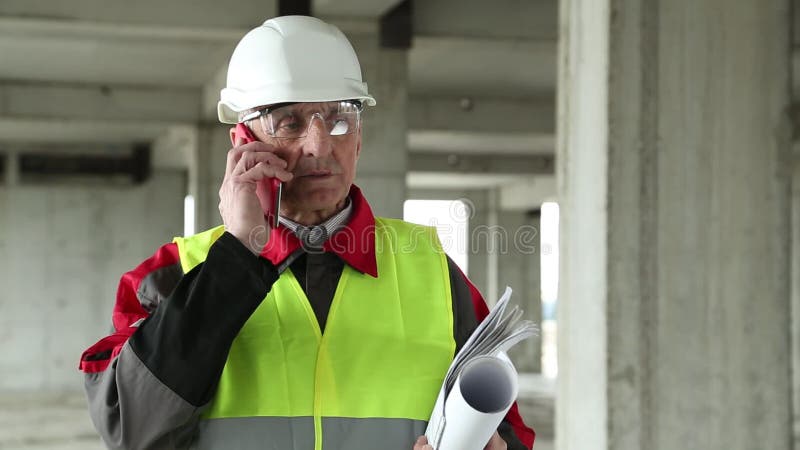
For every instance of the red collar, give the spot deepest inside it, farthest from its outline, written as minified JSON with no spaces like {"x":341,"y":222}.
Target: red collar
{"x":355,"y":243}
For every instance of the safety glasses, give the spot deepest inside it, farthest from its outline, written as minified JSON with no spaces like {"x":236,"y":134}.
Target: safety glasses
{"x":293,"y":120}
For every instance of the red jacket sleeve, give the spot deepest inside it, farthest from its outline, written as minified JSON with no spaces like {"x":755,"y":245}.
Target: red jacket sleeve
{"x":525,"y":434}
{"x":128,"y":311}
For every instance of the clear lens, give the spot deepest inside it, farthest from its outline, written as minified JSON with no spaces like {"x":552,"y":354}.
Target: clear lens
{"x":294,"y":121}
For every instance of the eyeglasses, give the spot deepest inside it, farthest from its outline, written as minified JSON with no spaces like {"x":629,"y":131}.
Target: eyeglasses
{"x":293,"y":120}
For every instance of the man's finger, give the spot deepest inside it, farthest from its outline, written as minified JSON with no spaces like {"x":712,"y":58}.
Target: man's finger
{"x":234,"y":154}
{"x":250,"y":159}
{"x":256,"y":147}
{"x":263,"y":170}
{"x":237,"y":151}
{"x":232,"y":159}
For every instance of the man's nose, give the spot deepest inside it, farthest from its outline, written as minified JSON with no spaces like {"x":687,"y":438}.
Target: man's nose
{"x":317,"y":142}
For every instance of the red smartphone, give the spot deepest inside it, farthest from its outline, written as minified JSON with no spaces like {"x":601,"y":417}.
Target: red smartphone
{"x":275,"y":185}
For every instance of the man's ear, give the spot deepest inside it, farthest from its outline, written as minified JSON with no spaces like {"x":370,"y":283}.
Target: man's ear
{"x":233,"y":136}
{"x":358,"y":145}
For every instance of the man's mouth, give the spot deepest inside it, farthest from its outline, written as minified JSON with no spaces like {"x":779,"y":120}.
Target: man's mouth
{"x":317,"y":174}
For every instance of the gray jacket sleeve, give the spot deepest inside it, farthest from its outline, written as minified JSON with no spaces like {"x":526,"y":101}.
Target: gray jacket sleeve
{"x":132,"y":409}
{"x":151,"y":395}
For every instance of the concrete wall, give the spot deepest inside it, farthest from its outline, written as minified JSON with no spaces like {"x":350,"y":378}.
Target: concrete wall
{"x":63,"y":248}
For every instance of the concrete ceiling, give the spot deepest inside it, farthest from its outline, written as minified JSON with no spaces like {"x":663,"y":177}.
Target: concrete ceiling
{"x":90,"y":52}
{"x":142,"y":43}
{"x":495,"y":68}
{"x":497,"y":49}
{"x":353,"y":8}
{"x":489,"y":67}
{"x":203,"y":14}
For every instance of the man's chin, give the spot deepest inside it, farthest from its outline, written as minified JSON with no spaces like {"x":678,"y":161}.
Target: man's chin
{"x":323,"y":206}
{"x":318,"y":200}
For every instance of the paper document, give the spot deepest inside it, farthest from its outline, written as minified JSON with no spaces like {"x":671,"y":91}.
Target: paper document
{"x":481,"y":384}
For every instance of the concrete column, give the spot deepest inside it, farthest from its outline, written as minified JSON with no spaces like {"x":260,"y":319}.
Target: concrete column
{"x":383,"y":160}
{"x":674,"y":192}
{"x":478,"y":244}
{"x":496,"y":244}
{"x":206,"y":171}
{"x":11,"y":174}
{"x":795,"y":276}
{"x":520,"y":268}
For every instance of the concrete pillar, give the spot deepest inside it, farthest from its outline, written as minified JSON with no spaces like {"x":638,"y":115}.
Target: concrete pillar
{"x":383,"y":160}
{"x":206,"y":171}
{"x":520,"y":268}
{"x":11,"y":172}
{"x":497,"y":243}
{"x":673,"y":141}
{"x":478,"y":245}
{"x":795,"y":276}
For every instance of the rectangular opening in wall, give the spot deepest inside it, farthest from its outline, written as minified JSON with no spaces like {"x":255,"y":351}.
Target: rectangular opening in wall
{"x":549,"y":274}
{"x":3,"y":165}
{"x":122,"y":164}
{"x":188,"y":215}
{"x":451,"y":220}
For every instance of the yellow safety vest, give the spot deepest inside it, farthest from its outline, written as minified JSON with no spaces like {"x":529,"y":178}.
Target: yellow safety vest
{"x":370,"y":381}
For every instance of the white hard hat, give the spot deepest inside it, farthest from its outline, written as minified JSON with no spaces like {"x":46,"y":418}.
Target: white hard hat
{"x":291,"y":59}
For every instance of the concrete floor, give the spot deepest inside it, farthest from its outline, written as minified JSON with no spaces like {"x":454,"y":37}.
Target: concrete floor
{"x":46,"y":422}
{"x":59,"y":421}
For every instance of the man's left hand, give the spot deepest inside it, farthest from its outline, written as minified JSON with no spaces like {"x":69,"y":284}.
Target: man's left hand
{"x":495,"y":443}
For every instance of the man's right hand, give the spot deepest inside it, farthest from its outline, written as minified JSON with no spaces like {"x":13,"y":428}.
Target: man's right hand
{"x":239,"y":205}
{"x":422,"y":444}
{"x":495,"y":443}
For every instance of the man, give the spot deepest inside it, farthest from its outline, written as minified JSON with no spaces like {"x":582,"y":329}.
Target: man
{"x":332,"y":331}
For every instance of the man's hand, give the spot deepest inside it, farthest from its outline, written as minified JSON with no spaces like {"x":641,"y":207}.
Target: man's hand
{"x":422,"y":444}
{"x":495,"y":443}
{"x":239,"y":205}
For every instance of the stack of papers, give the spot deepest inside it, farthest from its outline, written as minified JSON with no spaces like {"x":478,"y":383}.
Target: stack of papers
{"x":481,"y":383}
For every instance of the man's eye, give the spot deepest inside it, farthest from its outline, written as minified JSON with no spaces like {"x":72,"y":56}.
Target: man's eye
{"x":288,"y":123}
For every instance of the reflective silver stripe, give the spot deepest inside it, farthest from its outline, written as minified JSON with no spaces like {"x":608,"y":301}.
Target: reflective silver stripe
{"x":343,"y":433}
{"x":267,"y":433}
{"x":297,"y":433}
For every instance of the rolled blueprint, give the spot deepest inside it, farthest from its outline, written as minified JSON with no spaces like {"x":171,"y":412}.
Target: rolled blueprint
{"x":481,"y":396}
